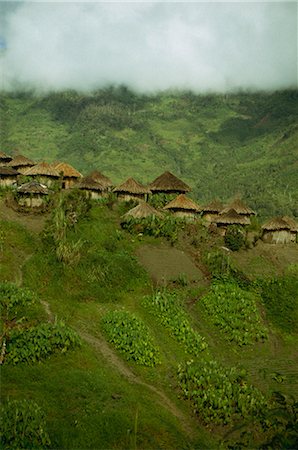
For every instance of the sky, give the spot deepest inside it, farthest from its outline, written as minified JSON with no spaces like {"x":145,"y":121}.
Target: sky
{"x":148,"y":46}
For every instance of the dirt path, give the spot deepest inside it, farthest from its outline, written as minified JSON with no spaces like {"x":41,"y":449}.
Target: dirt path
{"x":101,"y":345}
{"x":19,"y":271}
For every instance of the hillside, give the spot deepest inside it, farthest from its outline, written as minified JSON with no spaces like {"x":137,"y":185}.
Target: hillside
{"x":222,"y":145}
{"x":147,"y":336}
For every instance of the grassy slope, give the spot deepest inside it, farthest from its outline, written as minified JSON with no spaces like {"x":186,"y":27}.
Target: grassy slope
{"x":88,"y":403}
{"x":222,"y":145}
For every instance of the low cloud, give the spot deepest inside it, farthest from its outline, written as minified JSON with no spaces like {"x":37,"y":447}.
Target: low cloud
{"x":149,"y":46}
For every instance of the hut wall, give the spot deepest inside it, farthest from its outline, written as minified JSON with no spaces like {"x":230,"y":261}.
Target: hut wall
{"x":68,"y":183}
{"x":127,"y":197}
{"x":185,"y":215}
{"x":209,"y":217}
{"x":277,"y":237}
{"x":7,"y":181}
{"x":31,"y":202}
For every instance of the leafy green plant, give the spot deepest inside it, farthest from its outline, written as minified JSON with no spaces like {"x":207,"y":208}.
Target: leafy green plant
{"x":168,"y":308}
{"x":220,"y":395}
{"x":234,"y":311}
{"x":38,"y":342}
{"x":154,"y":226}
{"x":23,"y":426}
{"x":131,"y":337}
{"x":234,"y":238}
{"x":13,"y":299}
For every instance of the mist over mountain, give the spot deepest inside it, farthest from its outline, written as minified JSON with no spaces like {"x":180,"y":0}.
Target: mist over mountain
{"x":149,"y":46}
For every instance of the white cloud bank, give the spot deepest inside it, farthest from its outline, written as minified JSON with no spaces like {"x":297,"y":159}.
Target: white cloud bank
{"x":149,"y":46}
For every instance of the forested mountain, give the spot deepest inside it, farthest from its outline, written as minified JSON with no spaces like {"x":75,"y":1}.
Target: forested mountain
{"x":222,"y":145}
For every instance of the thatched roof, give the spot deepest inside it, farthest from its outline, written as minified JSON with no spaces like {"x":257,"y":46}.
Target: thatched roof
{"x":8,"y":172}
{"x":42,"y":169}
{"x":5,"y":157}
{"x":293,"y":224}
{"x":183,"y":202}
{"x":142,"y":211}
{"x":90,"y":184}
{"x":100,"y":178}
{"x":33,"y":187}
{"x":67,"y":170}
{"x":215,"y":206}
{"x":239,"y":207}
{"x":132,"y":186}
{"x":276,"y":224}
{"x":169,"y":182}
{"x":231,"y":217}
{"x":19,"y":161}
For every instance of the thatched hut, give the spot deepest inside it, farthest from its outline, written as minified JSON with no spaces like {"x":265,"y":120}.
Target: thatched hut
{"x":44,"y":172}
{"x":20,"y":163}
{"x":142,"y":211}
{"x":211,"y":211}
{"x":98,"y":177}
{"x":183,"y":207}
{"x":167,"y":183}
{"x":92,"y":188}
{"x":231,"y":217}
{"x":131,"y":190}
{"x":278,"y":231}
{"x":294,"y":227}
{"x":32,"y":194}
{"x":4,"y":159}
{"x":239,"y":206}
{"x":68,"y":173}
{"x":8,"y":176}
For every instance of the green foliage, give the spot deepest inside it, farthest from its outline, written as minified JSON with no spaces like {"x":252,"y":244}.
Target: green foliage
{"x":13,"y":299}
{"x":38,"y":342}
{"x":23,"y":426}
{"x":131,"y":337}
{"x":234,"y":238}
{"x":280,"y":299}
{"x":220,"y":395}
{"x":158,"y":201}
{"x":155,"y":226}
{"x":222,"y":268}
{"x":234,"y":311}
{"x":167,"y":307}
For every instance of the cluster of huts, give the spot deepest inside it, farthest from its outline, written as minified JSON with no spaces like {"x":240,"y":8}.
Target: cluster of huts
{"x":43,"y":176}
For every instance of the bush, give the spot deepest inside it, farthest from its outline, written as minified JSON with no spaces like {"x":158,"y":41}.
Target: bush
{"x":13,"y":299}
{"x":167,"y":307}
{"x":131,"y":337}
{"x":234,"y":238}
{"x":38,"y":342}
{"x":23,"y":426}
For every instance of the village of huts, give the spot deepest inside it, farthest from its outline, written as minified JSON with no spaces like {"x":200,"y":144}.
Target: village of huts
{"x":33,"y":183}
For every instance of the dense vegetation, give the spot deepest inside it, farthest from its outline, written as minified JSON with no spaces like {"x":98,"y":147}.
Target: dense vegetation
{"x":222,"y":145}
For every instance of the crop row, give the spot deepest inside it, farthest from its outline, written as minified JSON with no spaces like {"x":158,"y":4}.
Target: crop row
{"x":167,"y":307}
{"x":131,"y":337}
{"x":235,"y":312}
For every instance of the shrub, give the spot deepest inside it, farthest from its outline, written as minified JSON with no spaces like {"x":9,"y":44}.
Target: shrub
{"x":167,"y":307}
{"x":38,"y":342}
{"x":234,"y":238}
{"x":131,"y":337}
{"x":13,"y":299}
{"x":23,"y":426}
{"x":235,"y":312}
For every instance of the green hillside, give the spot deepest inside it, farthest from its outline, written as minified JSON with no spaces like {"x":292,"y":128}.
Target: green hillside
{"x":222,"y":145}
{"x":95,"y":354}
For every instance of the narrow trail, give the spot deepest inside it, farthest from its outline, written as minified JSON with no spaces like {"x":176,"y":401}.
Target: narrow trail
{"x":100,"y":344}
{"x":19,"y":271}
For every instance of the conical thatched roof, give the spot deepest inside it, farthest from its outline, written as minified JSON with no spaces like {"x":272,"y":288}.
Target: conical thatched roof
{"x":168,"y":182}
{"x":231,"y":217}
{"x":275,"y":224}
{"x":132,"y":186}
{"x":183,"y":202}
{"x":5,"y":157}
{"x":215,"y":206}
{"x":100,"y":178}
{"x":239,"y":207}
{"x":67,"y":170}
{"x":8,"y":172}
{"x":33,"y":187}
{"x":42,"y":169}
{"x":89,"y":183}
{"x":20,"y":160}
{"x":142,"y":211}
{"x":293,"y":224}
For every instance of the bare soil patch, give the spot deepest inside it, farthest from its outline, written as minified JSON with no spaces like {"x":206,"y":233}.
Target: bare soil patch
{"x":33,"y":222}
{"x":166,"y":264}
